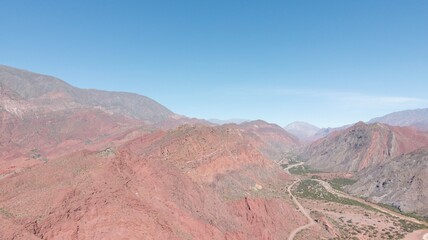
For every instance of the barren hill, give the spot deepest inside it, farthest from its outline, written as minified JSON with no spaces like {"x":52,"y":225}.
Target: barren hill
{"x":42,"y":117}
{"x":271,"y":139}
{"x":363,"y":146}
{"x":192,"y":182}
{"x":402,"y":183}
{"x":89,"y":164}
{"x":46,"y":89}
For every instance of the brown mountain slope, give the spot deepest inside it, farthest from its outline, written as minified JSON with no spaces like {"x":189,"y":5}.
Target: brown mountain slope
{"x":46,"y":89}
{"x":86,"y":164}
{"x":36,"y":138}
{"x":271,"y":139}
{"x":33,"y":133}
{"x":363,"y":146}
{"x":42,"y":117}
{"x":402,"y":183}
{"x":188,"y":183}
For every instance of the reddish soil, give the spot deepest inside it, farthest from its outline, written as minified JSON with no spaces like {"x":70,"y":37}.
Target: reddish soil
{"x":188,"y":183}
{"x":363,"y":146}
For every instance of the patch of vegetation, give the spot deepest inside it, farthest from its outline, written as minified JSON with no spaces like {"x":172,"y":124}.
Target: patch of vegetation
{"x":302,"y":170}
{"x":291,"y":157}
{"x":5,"y":213}
{"x":349,"y":230}
{"x":284,"y":165}
{"x":35,"y":154}
{"x":340,"y":183}
{"x":271,"y":190}
{"x":311,"y":189}
{"x":295,"y":160}
{"x":409,"y":226}
{"x":412,"y":215}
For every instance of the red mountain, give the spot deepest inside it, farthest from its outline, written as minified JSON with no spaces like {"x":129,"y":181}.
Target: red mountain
{"x":192,"y":182}
{"x":363,"y":146}
{"x":401,"y":183}
{"x":88,"y":164}
{"x":271,"y":139}
{"x":42,"y":117}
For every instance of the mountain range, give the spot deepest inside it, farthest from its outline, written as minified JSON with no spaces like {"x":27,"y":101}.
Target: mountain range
{"x":77,"y":163}
{"x":389,"y":163}
{"x":52,"y":91}
{"x":417,"y":118}
{"x":83,"y":161}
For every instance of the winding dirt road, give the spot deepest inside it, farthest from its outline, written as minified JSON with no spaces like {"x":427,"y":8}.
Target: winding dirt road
{"x":328,"y":187}
{"x":301,"y":208}
{"x":292,"y":166}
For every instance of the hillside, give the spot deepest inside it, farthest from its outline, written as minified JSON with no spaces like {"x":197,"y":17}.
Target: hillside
{"x":89,"y":164}
{"x":401,"y":183}
{"x":363,"y":146}
{"x":417,"y":118}
{"x":42,"y":117}
{"x":83,"y":162}
{"x":192,"y":182}
{"x":49,"y":90}
{"x":271,"y":139}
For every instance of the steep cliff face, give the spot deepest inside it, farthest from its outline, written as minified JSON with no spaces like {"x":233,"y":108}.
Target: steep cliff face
{"x":193,"y":182}
{"x":363,"y":146}
{"x":402,"y":183}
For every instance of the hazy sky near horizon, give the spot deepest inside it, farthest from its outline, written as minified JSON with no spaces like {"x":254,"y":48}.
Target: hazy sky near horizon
{"x":328,"y":63}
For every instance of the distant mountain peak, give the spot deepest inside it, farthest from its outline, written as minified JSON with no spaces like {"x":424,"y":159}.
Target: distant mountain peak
{"x":227,"y":121}
{"x":417,"y":118}
{"x":302,"y":130}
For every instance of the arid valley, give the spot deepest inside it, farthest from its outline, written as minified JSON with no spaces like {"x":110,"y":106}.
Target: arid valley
{"x":213,"y":120}
{"x":89,"y":164}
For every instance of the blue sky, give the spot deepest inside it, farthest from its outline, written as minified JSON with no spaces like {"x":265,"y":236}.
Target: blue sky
{"x":325,"y":62}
